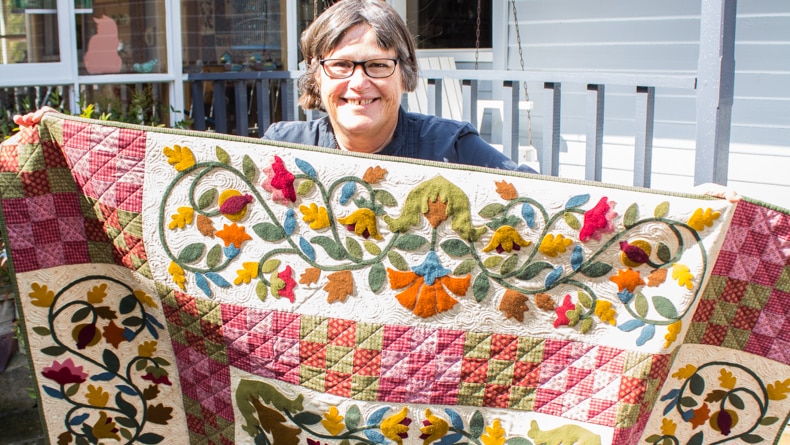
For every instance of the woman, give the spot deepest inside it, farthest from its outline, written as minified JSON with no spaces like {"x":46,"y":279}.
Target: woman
{"x":360,"y":60}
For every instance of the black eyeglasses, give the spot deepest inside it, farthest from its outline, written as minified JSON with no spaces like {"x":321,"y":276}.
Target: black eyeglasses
{"x":343,"y":69}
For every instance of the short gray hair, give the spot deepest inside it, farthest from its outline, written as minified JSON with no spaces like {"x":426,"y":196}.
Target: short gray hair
{"x":326,"y":32}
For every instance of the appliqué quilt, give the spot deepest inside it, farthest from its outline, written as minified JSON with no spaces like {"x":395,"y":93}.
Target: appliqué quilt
{"x":182,"y":287}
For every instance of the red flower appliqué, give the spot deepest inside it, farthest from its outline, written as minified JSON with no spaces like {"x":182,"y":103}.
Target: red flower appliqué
{"x":279,"y":182}
{"x":65,"y":373}
{"x":562,"y":310}
{"x":598,"y":220}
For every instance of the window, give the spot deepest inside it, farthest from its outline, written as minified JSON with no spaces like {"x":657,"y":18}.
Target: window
{"x":122,"y":37}
{"x":435,"y":24}
{"x":28,"y":32}
{"x":443,"y":24}
{"x":232,"y":35}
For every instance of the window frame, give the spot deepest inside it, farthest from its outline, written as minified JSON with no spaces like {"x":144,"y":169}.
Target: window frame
{"x":49,"y":73}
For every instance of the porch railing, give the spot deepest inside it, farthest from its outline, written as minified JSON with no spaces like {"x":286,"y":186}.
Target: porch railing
{"x":268,"y":88}
{"x":259,"y":86}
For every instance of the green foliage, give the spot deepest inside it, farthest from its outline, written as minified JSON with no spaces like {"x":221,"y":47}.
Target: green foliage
{"x":6,"y":286}
{"x":142,"y":107}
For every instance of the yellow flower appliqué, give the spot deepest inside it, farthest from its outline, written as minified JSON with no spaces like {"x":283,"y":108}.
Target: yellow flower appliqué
{"x":605,"y":311}
{"x":672,"y":333}
{"x":727,"y":379}
{"x":396,"y":427}
{"x":434,"y":428}
{"x":685,"y":372}
{"x":683,"y":275}
{"x":178,"y":274}
{"x":41,"y":295}
{"x":248,"y":271}
{"x":97,"y":396}
{"x":316,"y":217}
{"x":494,"y":435}
{"x":333,"y":421}
{"x":182,"y":218}
{"x":147,"y":348}
{"x":105,"y":428}
{"x":668,"y":427}
{"x":506,"y":239}
{"x":97,"y":294}
{"x":554,"y":245}
{"x":703,"y":218}
{"x":144,"y":298}
{"x":362,"y":222}
{"x":181,"y":158}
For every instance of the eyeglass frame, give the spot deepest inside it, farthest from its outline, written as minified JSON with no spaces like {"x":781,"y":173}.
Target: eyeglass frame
{"x":357,"y":63}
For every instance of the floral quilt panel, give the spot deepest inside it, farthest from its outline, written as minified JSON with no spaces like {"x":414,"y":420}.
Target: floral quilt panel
{"x":183,"y":287}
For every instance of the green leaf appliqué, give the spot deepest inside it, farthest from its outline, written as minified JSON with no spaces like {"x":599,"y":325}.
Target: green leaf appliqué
{"x":665,"y":307}
{"x":661,"y":210}
{"x":465,"y":267}
{"x":410,"y":242}
{"x":207,"y":198}
{"x":571,"y":221}
{"x":455,"y":248}
{"x":491,"y":210}
{"x":397,"y":261}
{"x":630,"y":216}
{"x":191,"y":253}
{"x":249,"y":168}
{"x":269,"y":232}
{"x":222,"y":155}
{"x":333,"y":249}
{"x":480,"y":287}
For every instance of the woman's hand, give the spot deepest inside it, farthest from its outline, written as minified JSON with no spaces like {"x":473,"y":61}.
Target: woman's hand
{"x":33,"y":118}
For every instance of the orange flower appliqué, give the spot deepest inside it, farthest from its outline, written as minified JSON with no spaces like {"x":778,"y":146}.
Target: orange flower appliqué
{"x":233,"y":234}
{"x":627,"y":279}
{"x":426,"y":287}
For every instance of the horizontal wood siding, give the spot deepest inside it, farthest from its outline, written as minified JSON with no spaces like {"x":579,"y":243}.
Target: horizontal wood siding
{"x":662,"y":37}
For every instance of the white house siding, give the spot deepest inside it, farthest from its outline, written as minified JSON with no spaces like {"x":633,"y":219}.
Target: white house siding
{"x":651,"y":36}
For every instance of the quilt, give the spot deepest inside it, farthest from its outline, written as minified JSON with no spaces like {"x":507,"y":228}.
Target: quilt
{"x":184,"y":287}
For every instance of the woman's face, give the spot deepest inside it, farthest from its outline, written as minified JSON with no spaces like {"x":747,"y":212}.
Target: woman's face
{"x":362,"y":107}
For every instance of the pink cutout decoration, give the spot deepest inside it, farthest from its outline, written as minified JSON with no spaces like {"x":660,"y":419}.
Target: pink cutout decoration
{"x":102,"y":54}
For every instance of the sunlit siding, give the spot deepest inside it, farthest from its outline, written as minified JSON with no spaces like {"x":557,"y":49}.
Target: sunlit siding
{"x":663,"y":37}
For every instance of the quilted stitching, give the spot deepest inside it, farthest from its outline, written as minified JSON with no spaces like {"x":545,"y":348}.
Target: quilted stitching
{"x":45,"y":220}
{"x":203,"y":369}
{"x":745,"y":307}
{"x":437,"y":366}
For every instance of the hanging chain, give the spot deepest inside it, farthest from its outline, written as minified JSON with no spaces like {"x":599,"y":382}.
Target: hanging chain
{"x":477,"y":35}
{"x":315,"y":9}
{"x":521,"y":60}
{"x":518,"y":40}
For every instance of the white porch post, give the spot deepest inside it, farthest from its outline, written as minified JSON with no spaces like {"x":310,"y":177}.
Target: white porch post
{"x":175,"y":60}
{"x":715,"y":84}
{"x":500,"y":13}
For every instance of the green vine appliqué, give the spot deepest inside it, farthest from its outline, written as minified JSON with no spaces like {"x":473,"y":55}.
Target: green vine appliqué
{"x":272,"y":418}
{"x":270,"y":275}
{"x":531,"y":254}
{"x":554,"y":259}
{"x":739,"y":395}
{"x":108,"y":398}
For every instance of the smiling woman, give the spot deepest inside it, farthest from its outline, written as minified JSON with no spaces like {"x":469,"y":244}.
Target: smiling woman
{"x":360,"y":60}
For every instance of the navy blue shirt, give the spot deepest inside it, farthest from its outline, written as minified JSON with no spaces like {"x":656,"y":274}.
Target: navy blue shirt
{"x":417,"y":136}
